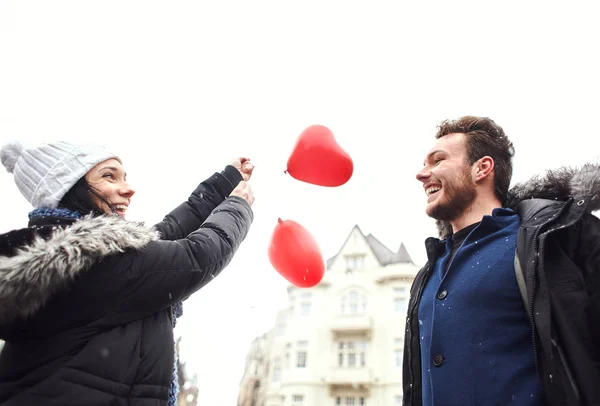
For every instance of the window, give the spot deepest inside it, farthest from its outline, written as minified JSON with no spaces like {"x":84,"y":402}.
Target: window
{"x":398,"y":358}
{"x":304,"y":308}
{"x":400,"y":300}
{"x":352,"y":354}
{"x":280,"y":328}
{"x":276,"y":370}
{"x":288,"y":349}
{"x":353,"y":302}
{"x":398,"y":353}
{"x":301,"y":354}
{"x":281,"y":324}
{"x":349,"y":401}
{"x":354,"y":262}
{"x":400,"y":305}
{"x":297,"y":399}
{"x":303,"y":303}
{"x":301,"y":360}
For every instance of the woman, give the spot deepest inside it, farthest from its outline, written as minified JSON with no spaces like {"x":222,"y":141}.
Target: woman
{"x":88,"y":300}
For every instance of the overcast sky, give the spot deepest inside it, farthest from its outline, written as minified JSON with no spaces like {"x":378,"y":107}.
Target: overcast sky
{"x":178,"y":89}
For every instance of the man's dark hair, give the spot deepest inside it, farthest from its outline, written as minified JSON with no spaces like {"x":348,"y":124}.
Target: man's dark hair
{"x":79,"y":198}
{"x":485,"y":138}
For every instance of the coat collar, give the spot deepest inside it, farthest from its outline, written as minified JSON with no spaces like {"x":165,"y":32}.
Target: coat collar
{"x":558,"y":184}
{"x":36,"y":262}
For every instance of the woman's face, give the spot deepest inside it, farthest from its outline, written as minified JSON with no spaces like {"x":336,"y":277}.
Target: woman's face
{"x":109,"y":178}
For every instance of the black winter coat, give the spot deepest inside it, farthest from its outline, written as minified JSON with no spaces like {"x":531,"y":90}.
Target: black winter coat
{"x":85,"y":306}
{"x":558,"y":252}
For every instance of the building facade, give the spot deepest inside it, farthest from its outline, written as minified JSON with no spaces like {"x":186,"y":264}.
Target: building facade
{"x":252,"y":386}
{"x":188,"y":386}
{"x":339,"y":343}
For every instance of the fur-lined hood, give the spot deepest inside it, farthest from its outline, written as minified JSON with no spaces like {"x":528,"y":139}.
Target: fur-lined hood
{"x":34,"y":272}
{"x":556,"y":184}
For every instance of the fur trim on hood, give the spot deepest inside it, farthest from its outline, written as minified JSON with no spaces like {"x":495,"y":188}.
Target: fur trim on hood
{"x":556,"y":184}
{"x":41,"y":269}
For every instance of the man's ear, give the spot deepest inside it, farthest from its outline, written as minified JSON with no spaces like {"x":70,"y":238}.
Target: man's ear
{"x":483,"y":168}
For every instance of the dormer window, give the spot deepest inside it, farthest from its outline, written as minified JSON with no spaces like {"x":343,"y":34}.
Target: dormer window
{"x":354,"y":262}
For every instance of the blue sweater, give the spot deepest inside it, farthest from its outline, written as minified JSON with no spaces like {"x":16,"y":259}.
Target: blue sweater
{"x":476,"y":344}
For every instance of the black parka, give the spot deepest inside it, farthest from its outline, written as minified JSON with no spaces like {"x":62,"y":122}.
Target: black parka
{"x":86,"y":305}
{"x":558,"y":252}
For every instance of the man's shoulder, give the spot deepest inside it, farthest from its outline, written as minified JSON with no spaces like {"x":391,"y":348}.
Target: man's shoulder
{"x":529,"y":209}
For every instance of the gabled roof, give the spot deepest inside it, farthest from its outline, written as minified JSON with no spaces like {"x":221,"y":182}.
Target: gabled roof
{"x":384,"y":255}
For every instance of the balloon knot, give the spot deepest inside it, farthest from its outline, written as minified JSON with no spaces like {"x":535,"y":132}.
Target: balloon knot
{"x":279,"y":220}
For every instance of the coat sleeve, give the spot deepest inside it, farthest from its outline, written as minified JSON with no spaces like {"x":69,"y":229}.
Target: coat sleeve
{"x":166,"y":272}
{"x":189,"y":215}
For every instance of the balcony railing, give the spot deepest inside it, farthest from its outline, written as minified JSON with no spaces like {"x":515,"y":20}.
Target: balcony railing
{"x":352,"y":323}
{"x":344,"y":376}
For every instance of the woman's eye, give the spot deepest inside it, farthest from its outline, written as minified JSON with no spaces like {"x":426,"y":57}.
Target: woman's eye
{"x":108,"y":175}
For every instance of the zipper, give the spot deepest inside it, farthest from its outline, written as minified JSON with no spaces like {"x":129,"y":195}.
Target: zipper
{"x":172,"y":316}
{"x":410,"y":369}
{"x":534,"y":285}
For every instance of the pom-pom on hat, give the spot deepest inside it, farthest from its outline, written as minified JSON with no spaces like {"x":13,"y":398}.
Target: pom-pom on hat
{"x":44,"y":174}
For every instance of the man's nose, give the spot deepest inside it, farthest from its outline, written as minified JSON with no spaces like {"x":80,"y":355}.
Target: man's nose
{"x":423,"y":174}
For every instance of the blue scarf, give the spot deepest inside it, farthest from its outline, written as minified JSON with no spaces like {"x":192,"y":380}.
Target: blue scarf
{"x":49,"y":212}
{"x":177,"y":308}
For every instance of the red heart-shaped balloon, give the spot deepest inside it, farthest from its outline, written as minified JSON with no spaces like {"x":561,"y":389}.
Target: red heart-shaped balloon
{"x":295,"y":254}
{"x":317,"y":158}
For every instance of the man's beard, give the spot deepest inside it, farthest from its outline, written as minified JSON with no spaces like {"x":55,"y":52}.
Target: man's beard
{"x":456,"y":200}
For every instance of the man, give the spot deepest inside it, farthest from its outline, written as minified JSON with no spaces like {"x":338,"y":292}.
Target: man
{"x":507,"y":308}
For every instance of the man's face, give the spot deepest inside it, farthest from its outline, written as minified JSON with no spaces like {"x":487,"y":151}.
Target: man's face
{"x":447,"y":179}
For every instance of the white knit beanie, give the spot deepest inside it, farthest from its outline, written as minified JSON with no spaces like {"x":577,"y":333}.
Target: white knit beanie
{"x":45,"y":174}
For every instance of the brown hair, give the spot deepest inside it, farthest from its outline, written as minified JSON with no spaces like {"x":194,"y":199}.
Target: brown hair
{"x":79,"y":198}
{"x":485,"y":138}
